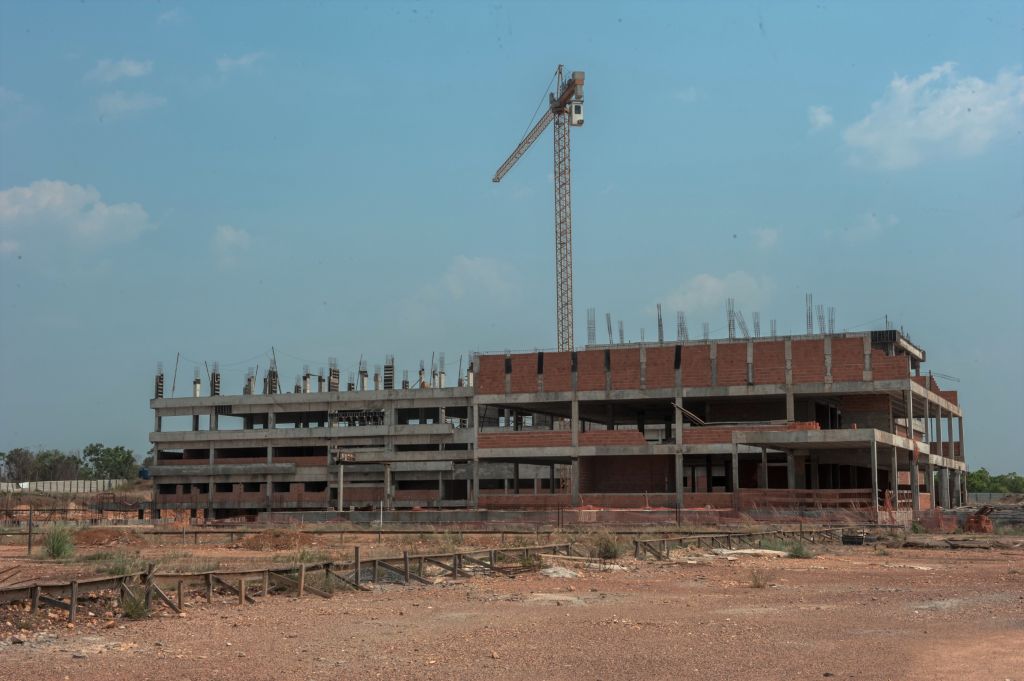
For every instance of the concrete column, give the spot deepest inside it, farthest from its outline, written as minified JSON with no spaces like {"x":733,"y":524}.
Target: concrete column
{"x":157,"y":422}
{"x":341,"y":487}
{"x":734,"y":476}
{"x":790,"y":406}
{"x":908,"y":400}
{"x":680,"y":480}
{"x":960,"y":423}
{"x":815,"y":482}
{"x":195,"y":422}
{"x":949,"y":431}
{"x":938,"y":432}
{"x":515,"y":478}
{"x":915,"y":484}
{"x":574,"y":481}
{"x":957,"y":497}
{"x":387,"y":486}
{"x":929,"y":481}
{"x":551,"y":483}
{"x":762,"y":477}
{"x":271,"y":420}
{"x":678,"y":431}
{"x":944,"y":486}
{"x":874,"y":474}
{"x":575,"y":422}
{"x":894,"y":482}
{"x":790,"y":470}
{"x":475,"y":490}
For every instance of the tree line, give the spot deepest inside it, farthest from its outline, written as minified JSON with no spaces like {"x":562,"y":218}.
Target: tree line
{"x":95,"y":462}
{"x":983,"y":481}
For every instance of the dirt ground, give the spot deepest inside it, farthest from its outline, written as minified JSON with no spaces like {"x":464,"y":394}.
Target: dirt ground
{"x":850,"y":613}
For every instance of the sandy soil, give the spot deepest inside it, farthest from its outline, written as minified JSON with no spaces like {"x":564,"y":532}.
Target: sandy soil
{"x":854,"y":612}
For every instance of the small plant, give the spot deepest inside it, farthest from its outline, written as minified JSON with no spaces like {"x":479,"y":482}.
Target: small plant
{"x":530,"y":561}
{"x":759,"y":578}
{"x":122,"y":563}
{"x":799,"y":550}
{"x":917,"y":528}
{"x":134,"y":607}
{"x":605,"y":546}
{"x":309,"y":556}
{"x":58,"y":543}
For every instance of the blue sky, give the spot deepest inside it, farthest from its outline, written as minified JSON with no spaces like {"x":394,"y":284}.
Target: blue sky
{"x":218,"y":178}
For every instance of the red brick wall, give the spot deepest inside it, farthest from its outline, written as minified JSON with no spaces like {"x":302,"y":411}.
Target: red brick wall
{"x":732,"y":363}
{"x":749,"y":410}
{"x":808,"y":361}
{"x":886,"y":368}
{"x":590,"y":370}
{"x":524,"y":373}
{"x":696,"y":365}
{"x":723,"y":434}
{"x":661,"y":372}
{"x":490,"y":377}
{"x":847,"y":359}
{"x":543,"y":500}
{"x":604,"y":438}
{"x":626,"y":369}
{"x":526,"y":438}
{"x":770,"y":362}
{"x":866,"y":411}
{"x":557,"y":371}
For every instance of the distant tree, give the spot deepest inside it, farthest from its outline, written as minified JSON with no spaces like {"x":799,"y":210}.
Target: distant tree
{"x":110,"y":462}
{"x":21,"y":465}
{"x":983,"y":481}
{"x":53,"y":464}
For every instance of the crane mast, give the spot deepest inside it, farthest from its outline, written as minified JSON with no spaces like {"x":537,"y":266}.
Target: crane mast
{"x":565,"y":110}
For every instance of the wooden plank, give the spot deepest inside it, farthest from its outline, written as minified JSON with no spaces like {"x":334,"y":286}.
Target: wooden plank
{"x":402,"y":573}
{"x":163,"y":597}
{"x":278,"y":577}
{"x":54,"y":602}
{"x":229,"y":587}
{"x":481,"y":563}
{"x":447,"y":568}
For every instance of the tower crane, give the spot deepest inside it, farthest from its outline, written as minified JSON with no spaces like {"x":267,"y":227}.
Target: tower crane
{"x":565,"y":110}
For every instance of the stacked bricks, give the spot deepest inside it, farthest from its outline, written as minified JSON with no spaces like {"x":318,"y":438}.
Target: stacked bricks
{"x":732,"y":363}
{"x":525,"y":439}
{"x":603,"y":438}
{"x":558,"y":371}
{"x":769,"y":362}
{"x":809,"y":361}
{"x":661,"y":363}
{"x":626,"y":369}
{"x":696,"y":366}
{"x":847,"y":359}
{"x":723,"y":434}
{"x":490,"y":378}
{"x":885,"y":368}
{"x":524,"y":373}
{"x":590,"y":370}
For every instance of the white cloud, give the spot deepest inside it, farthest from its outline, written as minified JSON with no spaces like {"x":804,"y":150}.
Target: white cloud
{"x":49,"y":210}
{"x":8,"y":246}
{"x":476,"y":276}
{"x":708,"y":292}
{"x":686,"y":95}
{"x":868,"y":226}
{"x":122,"y":103}
{"x":9,"y":97}
{"x":171,"y":16}
{"x":229,"y":243}
{"x":936,"y":114}
{"x":766,"y":237}
{"x":108,"y":70}
{"x":227,"y":64}
{"x":819,"y":117}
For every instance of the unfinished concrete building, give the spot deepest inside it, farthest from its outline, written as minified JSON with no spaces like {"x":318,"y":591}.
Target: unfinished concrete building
{"x":843,"y":420}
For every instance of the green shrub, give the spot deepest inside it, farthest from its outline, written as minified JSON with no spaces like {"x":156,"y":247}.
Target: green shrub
{"x":605,"y":545}
{"x":134,"y":607}
{"x":58,"y":543}
{"x":799,"y":550}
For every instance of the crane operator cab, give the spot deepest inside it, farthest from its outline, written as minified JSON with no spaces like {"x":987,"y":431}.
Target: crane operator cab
{"x":576,"y":113}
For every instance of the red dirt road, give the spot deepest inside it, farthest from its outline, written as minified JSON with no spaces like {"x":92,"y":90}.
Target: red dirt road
{"x":854,"y":613}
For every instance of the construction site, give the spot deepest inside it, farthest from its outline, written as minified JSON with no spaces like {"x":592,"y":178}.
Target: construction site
{"x":751,"y":505}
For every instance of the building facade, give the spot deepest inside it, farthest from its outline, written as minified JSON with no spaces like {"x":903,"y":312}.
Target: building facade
{"x":835,"y":421}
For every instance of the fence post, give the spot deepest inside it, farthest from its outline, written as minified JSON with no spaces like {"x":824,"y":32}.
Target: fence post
{"x":241,"y":591}
{"x":358,"y":566}
{"x":149,"y":586}
{"x":73,"y":609}
{"x":266,"y":582}
{"x":181,"y":600}
{"x":302,"y":579}
{"x":209,"y":588}
{"x":405,"y":565}
{"x":493,"y":557}
{"x":35,"y":598}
